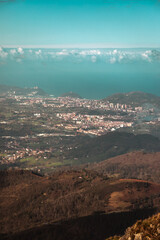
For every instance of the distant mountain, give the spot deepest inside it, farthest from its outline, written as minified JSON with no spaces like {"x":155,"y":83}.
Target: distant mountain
{"x":35,"y":91}
{"x":135,"y":165}
{"x":73,"y":205}
{"x":134,"y":98}
{"x":112,"y":144}
{"x":71,"y":94}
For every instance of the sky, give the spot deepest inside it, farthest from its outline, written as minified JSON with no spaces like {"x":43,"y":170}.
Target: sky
{"x":92,"y":47}
{"x":80,"y":23}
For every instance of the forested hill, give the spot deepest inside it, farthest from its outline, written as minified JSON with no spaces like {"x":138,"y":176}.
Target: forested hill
{"x":135,"y":165}
{"x":112,"y":144}
{"x":134,"y":98}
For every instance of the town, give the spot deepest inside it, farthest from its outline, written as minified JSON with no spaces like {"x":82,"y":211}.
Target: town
{"x":39,"y":130}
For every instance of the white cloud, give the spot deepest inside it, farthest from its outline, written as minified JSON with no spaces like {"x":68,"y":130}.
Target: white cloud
{"x":78,"y":55}
{"x":108,"y":53}
{"x":3,"y":54}
{"x":38,"y":52}
{"x":64,"y":52}
{"x":113,"y":60}
{"x":20,"y":50}
{"x":83,"y":53}
{"x":93,"y":59}
{"x":120,"y":58}
{"x":95,"y":52}
{"x":13,"y":51}
{"x":90,"y":52}
{"x":115,"y":51}
{"x":73,"y":51}
{"x":146,"y":55}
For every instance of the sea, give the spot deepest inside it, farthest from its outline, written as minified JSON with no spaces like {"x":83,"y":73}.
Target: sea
{"x":91,"y":73}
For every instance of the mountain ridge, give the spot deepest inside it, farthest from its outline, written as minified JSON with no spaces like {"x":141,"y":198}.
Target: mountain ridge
{"x":135,"y":165}
{"x":136,"y":98}
{"x":122,"y":98}
{"x":5,"y":90}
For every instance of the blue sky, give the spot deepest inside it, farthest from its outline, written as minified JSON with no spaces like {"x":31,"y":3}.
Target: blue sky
{"x":80,"y":23}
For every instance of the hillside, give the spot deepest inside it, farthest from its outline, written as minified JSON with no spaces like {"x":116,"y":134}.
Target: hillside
{"x":5,"y":90}
{"x":75,"y":204}
{"x":71,"y":94}
{"x":93,"y":227}
{"x":142,"y":229}
{"x":112,"y":144}
{"x":139,"y":165}
{"x":134,"y":98}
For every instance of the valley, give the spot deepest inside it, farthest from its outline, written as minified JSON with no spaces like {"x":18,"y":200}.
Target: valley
{"x":74,"y":168}
{"x":43,"y":133}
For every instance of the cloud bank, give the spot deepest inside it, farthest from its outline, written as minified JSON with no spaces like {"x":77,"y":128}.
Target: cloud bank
{"x":111,"y":56}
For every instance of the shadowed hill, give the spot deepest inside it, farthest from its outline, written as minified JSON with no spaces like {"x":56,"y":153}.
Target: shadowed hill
{"x":94,"y":227}
{"x":143,"y":229}
{"x":112,"y":144}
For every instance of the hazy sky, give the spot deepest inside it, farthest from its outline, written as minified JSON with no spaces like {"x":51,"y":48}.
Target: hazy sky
{"x":86,"y":23}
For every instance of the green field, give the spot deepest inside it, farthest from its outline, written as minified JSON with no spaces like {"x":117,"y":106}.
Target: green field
{"x":41,"y":162}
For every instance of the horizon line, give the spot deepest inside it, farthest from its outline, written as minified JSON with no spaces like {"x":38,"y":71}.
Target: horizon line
{"x":56,"y":46}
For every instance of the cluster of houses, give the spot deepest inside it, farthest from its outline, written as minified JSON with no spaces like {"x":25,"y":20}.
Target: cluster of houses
{"x":91,"y":124}
{"x":8,"y":158}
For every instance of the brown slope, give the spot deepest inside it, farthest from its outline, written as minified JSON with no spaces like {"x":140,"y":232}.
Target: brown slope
{"x":139,"y":165}
{"x":36,"y":200}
